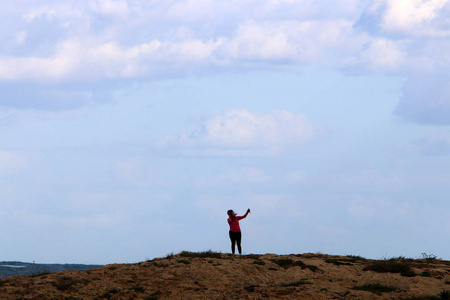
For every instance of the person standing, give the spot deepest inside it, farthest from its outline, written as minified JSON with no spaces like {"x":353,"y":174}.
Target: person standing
{"x":235,"y":230}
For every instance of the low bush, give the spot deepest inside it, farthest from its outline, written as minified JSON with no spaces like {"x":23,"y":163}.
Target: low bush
{"x":40,"y":274}
{"x":429,"y":257}
{"x":444,"y":295}
{"x":375,"y":288}
{"x":252,"y":256}
{"x":204,"y":254}
{"x":138,"y":289}
{"x":64,"y":283}
{"x":184,"y":261}
{"x":388,"y":266}
{"x":160,"y":265}
{"x":339,"y":262}
{"x":356,"y":258}
{"x":295,"y":283}
{"x":425,"y":274}
{"x":287,"y":263}
{"x":250,"y":288}
{"x":284,"y":263}
{"x":3,"y":282}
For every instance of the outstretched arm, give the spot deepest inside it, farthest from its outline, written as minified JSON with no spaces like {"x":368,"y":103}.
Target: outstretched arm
{"x":248,"y":210}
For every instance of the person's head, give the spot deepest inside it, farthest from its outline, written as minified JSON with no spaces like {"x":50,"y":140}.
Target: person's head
{"x":231,"y":213}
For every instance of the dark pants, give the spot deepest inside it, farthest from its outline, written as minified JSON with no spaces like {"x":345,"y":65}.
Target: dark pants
{"x":235,"y":237}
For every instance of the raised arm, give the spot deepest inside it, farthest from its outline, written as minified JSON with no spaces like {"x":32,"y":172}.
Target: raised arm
{"x":248,"y":210}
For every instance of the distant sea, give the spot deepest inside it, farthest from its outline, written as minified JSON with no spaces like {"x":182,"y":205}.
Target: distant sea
{"x":16,"y":268}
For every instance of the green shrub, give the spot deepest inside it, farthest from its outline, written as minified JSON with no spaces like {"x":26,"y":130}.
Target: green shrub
{"x":388,"y":266}
{"x":339,"y":262}
{"x":3,"y":282}
{"x":287,"y":263}
{"x":204,"y":254}
{"x":250,"y":288}
{"x":252,"y":256}
{"x":153,"y":296}
{"x":295,"y":283}
{"x":64,"y":283}
{"x":429,"y":257}
{"x":375,"y":288}
{"x":444,"y":295}
{"x":259,"y":262}
{"x":138,"y":289}
{"x":40,"y":274}
{"x":302,"y":265}
{"x":425,"y":274}
{"x":284,"y":263}
{"x":356,"y":258}
{"x":160,"y":265}
{"x":184,"y":261}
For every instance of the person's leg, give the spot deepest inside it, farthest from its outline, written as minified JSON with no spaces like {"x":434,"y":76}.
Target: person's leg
{"x":238,"y":240}
{"x":233,"y":241}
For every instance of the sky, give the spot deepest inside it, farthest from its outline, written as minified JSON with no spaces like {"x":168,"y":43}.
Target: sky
{"x":128,"y":128}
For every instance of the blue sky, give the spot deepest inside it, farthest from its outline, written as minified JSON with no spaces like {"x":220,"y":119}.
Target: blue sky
{"x":129,"y":128}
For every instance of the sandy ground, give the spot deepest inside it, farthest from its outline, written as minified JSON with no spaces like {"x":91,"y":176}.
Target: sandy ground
{"x":269,"y":276}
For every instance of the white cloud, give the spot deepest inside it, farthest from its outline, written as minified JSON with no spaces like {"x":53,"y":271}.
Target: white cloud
{"x":240,"y":132}
{"x":111,"y":7}
{"x":303,"y":31}
{"x":190,"y":10}
{"x":86,"y":60}
{"x":293,"y":41}
{"x":413,"y":16}
{"x":383,"y":55}
{"x":85,"y":49}
{"x":21,"y":37}
{"x":119,"y":40}
{"x":261,"y":41}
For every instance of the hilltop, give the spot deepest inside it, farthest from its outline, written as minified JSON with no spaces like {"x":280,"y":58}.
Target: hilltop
{"x":211,"y":275}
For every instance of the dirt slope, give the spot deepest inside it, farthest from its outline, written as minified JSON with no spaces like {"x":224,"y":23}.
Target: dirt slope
{"x":210,"y":275}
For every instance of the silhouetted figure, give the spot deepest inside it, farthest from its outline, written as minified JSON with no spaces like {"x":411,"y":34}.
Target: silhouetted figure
{"x":235,"y":230}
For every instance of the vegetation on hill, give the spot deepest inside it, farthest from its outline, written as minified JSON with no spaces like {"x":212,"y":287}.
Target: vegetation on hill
{"x":214,"y":275}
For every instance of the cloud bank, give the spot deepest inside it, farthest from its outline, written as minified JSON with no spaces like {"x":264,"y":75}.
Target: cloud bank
{"x":240,"y":132}
{"x":52,"y":45}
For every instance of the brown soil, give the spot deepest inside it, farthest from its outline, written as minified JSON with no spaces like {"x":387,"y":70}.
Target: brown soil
{"x":269,"y":276}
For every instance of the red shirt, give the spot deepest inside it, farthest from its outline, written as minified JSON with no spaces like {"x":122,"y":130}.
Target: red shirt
{"x":234,"y":225}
